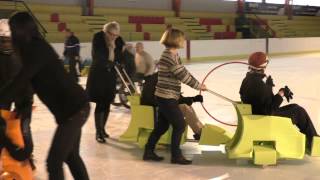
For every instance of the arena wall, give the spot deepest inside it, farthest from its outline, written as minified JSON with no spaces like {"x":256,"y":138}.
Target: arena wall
{"x":223,"y":49}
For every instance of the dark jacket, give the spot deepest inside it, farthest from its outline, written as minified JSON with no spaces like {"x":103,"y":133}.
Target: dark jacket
{"x":9,"y":68}
{"x":124,"y":57}
{"x":72,"y":46}
{"x":256,"y":92}
{"x":149,"y":87}
{"x":42,"y":69}
{"x":101,"y":84}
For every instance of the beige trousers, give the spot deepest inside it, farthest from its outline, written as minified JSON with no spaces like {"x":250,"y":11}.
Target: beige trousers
{"x":191,"y":118}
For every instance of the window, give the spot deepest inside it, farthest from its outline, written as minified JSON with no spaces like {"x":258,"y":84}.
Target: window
{"x":247,"y":0}
{"x":307,"y":2}
{"x":276,"y":1}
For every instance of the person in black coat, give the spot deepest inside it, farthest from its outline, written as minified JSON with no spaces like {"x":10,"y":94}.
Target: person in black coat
{"x":9,"y":67}
{"x":256,"y":89}
{"x":125,"y":56}
{"x":72,"y":53}
{"x":65,"y":99}
{"x":101,"y":83}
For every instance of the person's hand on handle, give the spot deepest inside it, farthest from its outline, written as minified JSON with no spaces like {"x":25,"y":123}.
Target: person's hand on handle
{"x":203,"y":87}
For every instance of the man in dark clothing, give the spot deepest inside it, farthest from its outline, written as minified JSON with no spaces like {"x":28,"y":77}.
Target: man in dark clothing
{"x":257,"y":92}
{"x":71,"y":52}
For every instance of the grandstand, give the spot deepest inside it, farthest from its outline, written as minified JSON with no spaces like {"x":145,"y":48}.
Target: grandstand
{"x":142,"y":24}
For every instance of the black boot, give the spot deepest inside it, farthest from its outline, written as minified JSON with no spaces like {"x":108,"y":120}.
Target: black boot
{"x":197,"y":136}
{"x":180,"y":160}
{"x":99,"y":124}
{"x":105,"y":119}
{"x":150,"y":155}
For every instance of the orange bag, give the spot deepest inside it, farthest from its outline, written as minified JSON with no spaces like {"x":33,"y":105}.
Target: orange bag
{"x":13,"y":169}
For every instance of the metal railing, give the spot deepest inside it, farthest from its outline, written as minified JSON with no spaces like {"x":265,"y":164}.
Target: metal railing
{"x":15,"y":8}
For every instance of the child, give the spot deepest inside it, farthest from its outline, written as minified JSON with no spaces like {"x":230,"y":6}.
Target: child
{"x":168,"y":90}
{"x":257,"y":92}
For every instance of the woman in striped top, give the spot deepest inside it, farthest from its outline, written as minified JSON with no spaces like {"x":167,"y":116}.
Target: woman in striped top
{"x":168,"y":90}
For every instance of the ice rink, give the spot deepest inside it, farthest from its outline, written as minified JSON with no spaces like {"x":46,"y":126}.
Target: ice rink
{"x":116,"y":160}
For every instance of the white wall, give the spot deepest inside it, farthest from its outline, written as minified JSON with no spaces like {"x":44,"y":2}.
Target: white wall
{"x":209,"y":5}
{"x":149,"y":4}
{"x":283,"y":45}
{"x":216,"y":48}
{"x":153,"y":47}
{"x":207,"y":48}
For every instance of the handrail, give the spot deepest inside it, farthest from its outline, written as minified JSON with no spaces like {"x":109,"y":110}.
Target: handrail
{"x":260,"y":21}
{"x":44,"y":31}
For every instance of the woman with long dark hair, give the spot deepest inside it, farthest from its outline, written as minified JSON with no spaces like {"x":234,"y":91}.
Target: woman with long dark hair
{"x":66,"y":100}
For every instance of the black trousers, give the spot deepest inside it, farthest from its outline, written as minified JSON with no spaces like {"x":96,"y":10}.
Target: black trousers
{"x":65,"y":148}
{"x":101,"y":113}
{"x":72,"y":68}
{"x":300,"y":118}
{"x":168,"y":114}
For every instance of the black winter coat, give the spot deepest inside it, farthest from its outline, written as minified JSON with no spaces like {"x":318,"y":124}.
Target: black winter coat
{"x":101,"y":84}
{"x":256,"y":92}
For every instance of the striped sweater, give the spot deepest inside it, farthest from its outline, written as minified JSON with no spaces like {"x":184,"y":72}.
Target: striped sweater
{"x":170,"y":75}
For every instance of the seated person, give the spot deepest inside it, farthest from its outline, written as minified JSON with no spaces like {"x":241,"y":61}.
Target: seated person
{"x":145,"y":64}
{"x":257,"y":91}
{"x":148,"y":98}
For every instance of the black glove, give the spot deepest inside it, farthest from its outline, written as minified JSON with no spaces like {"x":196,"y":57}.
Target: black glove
{"x":186,"y":100}
{"x":269,"y":81}
{"x":287,"y":93}
{"x":198,"y":98}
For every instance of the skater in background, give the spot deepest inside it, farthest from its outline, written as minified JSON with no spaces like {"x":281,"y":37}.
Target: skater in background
{"x":185,"y":104}
{"x":256,"y":89}
{"x":72,"y":53}
{"x":9,"y":67}
{"x":65,"y":99}
{"x":101,"y":84}
{"x":145,"y":64}
{"x":168,"y":90}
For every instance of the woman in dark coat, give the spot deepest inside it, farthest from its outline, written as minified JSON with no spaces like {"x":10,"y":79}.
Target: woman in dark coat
{"x":101,"y":84}
{"x":258,"y":92}
{"x":66,"y":100}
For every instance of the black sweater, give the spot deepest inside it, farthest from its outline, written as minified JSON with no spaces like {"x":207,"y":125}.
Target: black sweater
{"x":256,"y":92}
{"x":42,"y":68}
{"x":72,"y":46}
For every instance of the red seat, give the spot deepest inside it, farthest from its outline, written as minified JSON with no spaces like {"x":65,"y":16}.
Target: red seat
{"x":54,"y":17}
{"x":210,"y":21}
